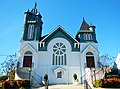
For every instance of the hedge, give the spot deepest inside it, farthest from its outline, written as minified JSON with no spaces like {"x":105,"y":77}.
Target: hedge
{"x":16,"y":84}
{"x":4,"y":77}
{"x":108,"y":83}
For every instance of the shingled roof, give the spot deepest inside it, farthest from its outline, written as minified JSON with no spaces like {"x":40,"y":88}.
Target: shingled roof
{"x":84,"y":25}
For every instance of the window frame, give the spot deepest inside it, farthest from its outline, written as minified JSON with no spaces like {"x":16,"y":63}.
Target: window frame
{"x":30,"y":31}
{"x":59,"y":74}
{"x":59,"y":54}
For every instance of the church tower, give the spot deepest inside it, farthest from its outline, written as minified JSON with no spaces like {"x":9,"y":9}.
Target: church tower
{"x":32,"y":30}
{"x":88,"y":44}
{"x":86,"y":33}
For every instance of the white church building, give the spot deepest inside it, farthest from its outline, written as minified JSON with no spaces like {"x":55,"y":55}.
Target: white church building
{"x":57,"y":54}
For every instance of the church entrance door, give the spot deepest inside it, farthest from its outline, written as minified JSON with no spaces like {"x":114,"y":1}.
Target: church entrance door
{"x":90,"y":62}
{"x":27,"y":61}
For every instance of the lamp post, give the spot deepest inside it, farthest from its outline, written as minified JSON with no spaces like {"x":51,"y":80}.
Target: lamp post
{"x":94,"y":74}
{"x":29,"y":75}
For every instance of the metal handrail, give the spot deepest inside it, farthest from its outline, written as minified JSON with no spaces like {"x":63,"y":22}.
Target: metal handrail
{"x":89,"y":77}
{"x":100,"y":64}
{"x":38,"y":76}
{"x":84,"y":75}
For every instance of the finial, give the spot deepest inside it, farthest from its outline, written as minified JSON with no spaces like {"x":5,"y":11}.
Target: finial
{"x":35,"y":4}
{"x":28,"y":10}
{"x":83,"y":19}
{"x":91,"y":24}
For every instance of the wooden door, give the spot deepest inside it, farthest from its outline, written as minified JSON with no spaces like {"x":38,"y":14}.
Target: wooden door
{"x":27,"y":61}
{"x":90,"y":61}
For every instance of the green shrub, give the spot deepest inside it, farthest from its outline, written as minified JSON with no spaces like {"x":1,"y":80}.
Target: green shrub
{"x":19,"y":83}
{"x":12,"y":74}
{"x":108,"y":83}
{"x":16,"y":84}
{"x":45,"y":77}
{"x":75,"y":76}
{"x":97,"y":83}
{"x":112,"y":76}
{"x":114,"y":71}
{"x":26,"y":84}
{"x":6,"y":85}
{"x":4,"y":77}
{"x":12,"y":84}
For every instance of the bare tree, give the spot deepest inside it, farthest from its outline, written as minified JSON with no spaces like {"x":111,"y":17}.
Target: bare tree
{"x":8,"y":64}
{"x":106,"y":60}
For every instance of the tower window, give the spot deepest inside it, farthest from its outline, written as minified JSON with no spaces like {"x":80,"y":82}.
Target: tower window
{"x":59,"y":54}
{"x":30,"y":31}
{"x":87,"y":36}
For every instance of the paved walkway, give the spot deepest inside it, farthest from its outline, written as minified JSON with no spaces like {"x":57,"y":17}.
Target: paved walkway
{"x":71,"y":86}
{"x":62,"y":87}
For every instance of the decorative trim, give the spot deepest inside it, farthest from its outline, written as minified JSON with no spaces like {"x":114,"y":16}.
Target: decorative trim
{"x":58,"y":68}
{"x":42,"y":44}
{"x":76,"y":45}
{"x":27,"y":45}
{"x":55,"y":30}
{"x":88,"y":47}
{"x":31,"y":21}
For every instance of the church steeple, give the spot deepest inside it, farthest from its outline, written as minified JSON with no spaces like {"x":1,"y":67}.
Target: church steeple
{"x":32,"y":25}
{"x":84,"y":25}
{"x":34,"y":10}
{"x":86,"y":33}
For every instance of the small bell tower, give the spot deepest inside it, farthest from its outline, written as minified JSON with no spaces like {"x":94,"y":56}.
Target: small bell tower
{"x":32,"y":29}
{"x":86,"y":33}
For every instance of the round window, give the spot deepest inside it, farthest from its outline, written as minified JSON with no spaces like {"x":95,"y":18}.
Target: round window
{"x":59,"y":48}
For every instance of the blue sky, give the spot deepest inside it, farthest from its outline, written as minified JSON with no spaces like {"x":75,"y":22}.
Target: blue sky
{"x":104,"y":14}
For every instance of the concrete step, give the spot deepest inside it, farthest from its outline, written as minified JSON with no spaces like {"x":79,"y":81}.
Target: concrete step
{"x":22,"y":73}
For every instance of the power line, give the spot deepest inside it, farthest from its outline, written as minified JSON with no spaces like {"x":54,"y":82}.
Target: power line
{"x":3,"y":55}
{"x":8,"y":54}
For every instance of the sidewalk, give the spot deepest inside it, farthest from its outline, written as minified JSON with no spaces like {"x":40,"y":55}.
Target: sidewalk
{"x":71,"y":86}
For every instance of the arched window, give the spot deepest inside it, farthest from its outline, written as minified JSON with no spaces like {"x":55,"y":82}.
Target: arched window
{"x":90,"y":36}
{"x":90,"y":60}
{"x":59,"y":54}
{"x":87,"y":36}
{"x":28,"y":53}
{"x":27,"y":60}
{"x":30,"y":31}
{"x":89,"y":53}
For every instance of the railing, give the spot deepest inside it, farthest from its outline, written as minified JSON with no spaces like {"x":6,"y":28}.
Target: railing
{"x":90,"y":76}
{"x":36,"y":77}
{"x":86,"y":85}
{"x":100,"y":64}
{"x":100,"y":73}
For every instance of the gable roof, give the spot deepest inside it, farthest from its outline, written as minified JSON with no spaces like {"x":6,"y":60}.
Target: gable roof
{"x":25,"y":47}
{"x":57,"y":29}
{"x":59,"y":69}
{"x":89,"y":46}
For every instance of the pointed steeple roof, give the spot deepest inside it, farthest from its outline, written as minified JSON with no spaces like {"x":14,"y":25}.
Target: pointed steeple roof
{"x":34,"y":10}
{"x":84,"y":25}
